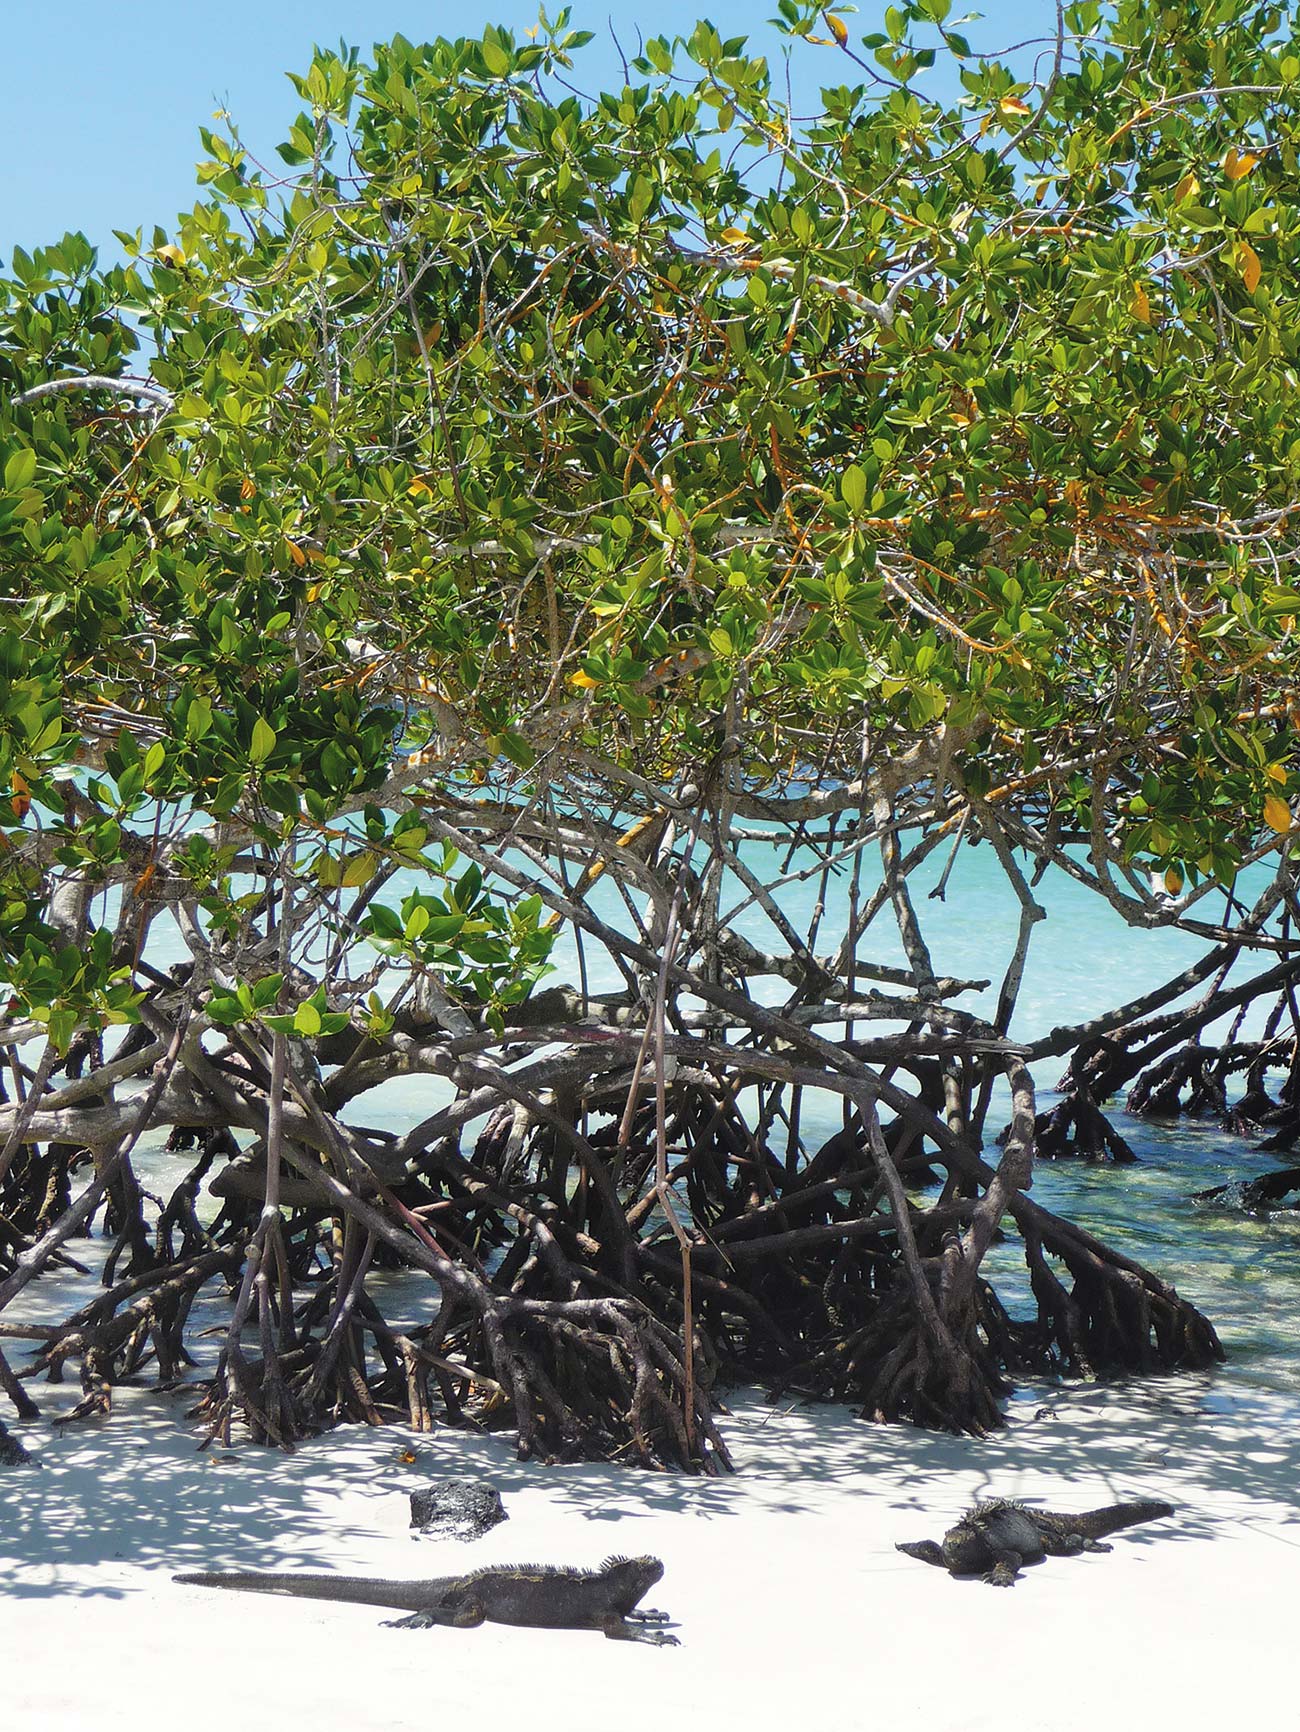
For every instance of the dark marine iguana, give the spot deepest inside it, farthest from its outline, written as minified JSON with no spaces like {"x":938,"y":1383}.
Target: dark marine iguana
{"x":994,"y":1539}
{"x":12,"y":1453}
{"x":541,"y":1596}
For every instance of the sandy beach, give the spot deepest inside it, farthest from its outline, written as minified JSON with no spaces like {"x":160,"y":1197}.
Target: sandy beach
{"x":790,"y":1602}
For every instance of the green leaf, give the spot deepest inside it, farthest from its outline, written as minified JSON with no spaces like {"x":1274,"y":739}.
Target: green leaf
{"x":198,"y":719}
{"x":853,"y":488}
{"x":281,"y":795}
{"x":263,"y":741}
{"x":516,"y":748}
{"x":640,"y":198}
{"x":48,"y":737}
{"x":495,"y":58}
{"x":444,"y":928}
{"x":20,"y":470}
{"x":267,"y":990}
{"x":383,"y":923}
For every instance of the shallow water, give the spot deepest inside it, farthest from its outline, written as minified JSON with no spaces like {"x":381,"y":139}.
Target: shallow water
{"x":1242,"y":1271}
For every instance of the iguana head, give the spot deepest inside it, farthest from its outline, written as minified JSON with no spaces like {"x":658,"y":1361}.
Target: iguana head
{"x":632,"y":1576}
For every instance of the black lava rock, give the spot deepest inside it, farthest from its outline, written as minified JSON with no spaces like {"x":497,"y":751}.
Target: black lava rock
{"x":457,"y":1509}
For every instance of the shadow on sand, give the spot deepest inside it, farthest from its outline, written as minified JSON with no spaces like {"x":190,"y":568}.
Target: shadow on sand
{"x":135,"y":1491}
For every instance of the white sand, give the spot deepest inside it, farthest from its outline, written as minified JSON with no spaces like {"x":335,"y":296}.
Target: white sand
{"x":792,"y":1606}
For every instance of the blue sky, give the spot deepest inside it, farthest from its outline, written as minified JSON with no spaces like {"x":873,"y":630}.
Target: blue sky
{"x":100,"y":104}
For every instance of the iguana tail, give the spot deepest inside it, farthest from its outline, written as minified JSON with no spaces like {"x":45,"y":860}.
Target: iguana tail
{"x":355,"y":1590}
{"x":1093,"y":1523}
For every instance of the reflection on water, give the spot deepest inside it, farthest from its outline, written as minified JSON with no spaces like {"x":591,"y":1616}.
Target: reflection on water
{"x":1243,"y":1271}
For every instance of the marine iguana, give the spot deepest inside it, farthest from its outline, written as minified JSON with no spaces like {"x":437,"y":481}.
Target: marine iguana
{"x":541,"y":1596}
{"x":12,"y":1453}
{"x":994,"y":1539}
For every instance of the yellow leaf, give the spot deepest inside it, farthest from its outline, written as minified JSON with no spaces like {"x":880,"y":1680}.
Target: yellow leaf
{"x":1173,"y":881}
{"x":584,"y":682}
{"x":1141,"y":305}
{"x":247,"y":488}
{"x":736,"y":238}
{"x":170,"y":255}
{"x":420,"y":485}
{"x":1276,"y":773}
{"x":296,"y":554}
{"x":1277,"y":814}
{"x":360,"y":869}
{"x":1250,"y":266}
{"x":1188,"y":187}
{"x":1013,"y":105}
{"x":838,"y":28}
{"x":1238,"y":167}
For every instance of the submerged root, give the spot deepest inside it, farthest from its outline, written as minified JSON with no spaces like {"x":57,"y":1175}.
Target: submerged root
{"x":1276,"y":1190}
{"x":1076,"y":1128}
{"x":1117,"y":1316}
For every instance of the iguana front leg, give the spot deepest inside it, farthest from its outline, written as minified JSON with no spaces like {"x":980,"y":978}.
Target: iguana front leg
{"x":1005,"y":1570}
{"x":619,"y":1630}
